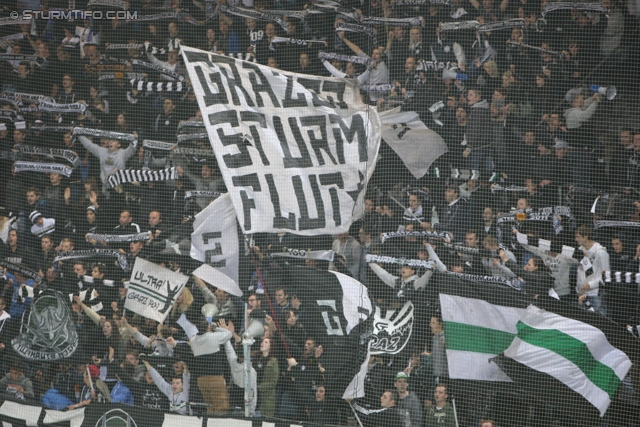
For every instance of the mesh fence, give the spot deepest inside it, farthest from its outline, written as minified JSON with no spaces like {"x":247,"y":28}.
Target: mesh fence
{"x":352,"y":212}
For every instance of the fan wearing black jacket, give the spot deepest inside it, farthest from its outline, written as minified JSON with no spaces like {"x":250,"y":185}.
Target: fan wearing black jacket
{"x":536,"y":275}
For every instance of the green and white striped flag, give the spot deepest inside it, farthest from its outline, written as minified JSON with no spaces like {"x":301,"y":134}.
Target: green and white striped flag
{"x":475,"y":331}
{"x":577,"y":354}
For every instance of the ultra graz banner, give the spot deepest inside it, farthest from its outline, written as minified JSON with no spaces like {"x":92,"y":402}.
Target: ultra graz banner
{"x":153,"y":290}
{"x":296,"y":151}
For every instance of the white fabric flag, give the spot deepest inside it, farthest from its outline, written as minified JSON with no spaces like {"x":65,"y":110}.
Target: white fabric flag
{"x":153,"y":290}
{"x":214,"y":240}
{"x":416,"y":144}
{"x":295,"y":151}
{"x":575,"y":353}
{"x":475,"y":332}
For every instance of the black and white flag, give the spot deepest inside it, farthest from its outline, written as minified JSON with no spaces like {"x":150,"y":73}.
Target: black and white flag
{"x":296,"y":152}
{"x":153,"y":290}
{"x":417,"y":145}
{"x":215,"y":237}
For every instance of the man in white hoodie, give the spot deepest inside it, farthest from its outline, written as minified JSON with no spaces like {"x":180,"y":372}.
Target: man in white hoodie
{"x":595,"y":261}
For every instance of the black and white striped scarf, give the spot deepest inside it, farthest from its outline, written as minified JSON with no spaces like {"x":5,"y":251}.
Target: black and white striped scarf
{"x":98,"y":133}
{"x":127,"y":46}
{"x":136,"y":175}
{"x":46,"y":128}
{"x":145,"y":86}
{"x":330,"y":56}
{"x":539,"y":49}
{"x":561,"y":5}
{"x":192,"y":136}
{"x":395,"y":22}
{"x":356,"y":28}
{"x":115,"y":75}
{"x":419,"y":234}
{"x":20,"y":269}
{"x":508,"y":188}
{"x":158,"y":68}
{"x":495,"y":26}
{"x":617,"y":277}
{"x":118,"y":238}
{"x":487,"y":279}
{"x":121,"y":4}
{"x":382,"y":87}
{"x":482,"y":28}
{"x":25,"y":98}
{"x":459,"y":25}
{"x":190,"y":124}
{"x":298,"y":42}
{"x":52,"y":107}
{"x":42,"y":167}
{"x":321,"y":255}
{"x":12,"y":21}
{"x":399,"y":3}
{"x":350,"y":13}
{"x":39,"y":61}
{"x":68,"y":155}
{"x":91,"y":253}
{"x":399,"y":261}
{"x":201,"y":194}
{"x":12,"y":37}
{"x":254,"y":14}
{"x":158,"y":145}
{"x":298,"y":14}
{"x":603,"y":223}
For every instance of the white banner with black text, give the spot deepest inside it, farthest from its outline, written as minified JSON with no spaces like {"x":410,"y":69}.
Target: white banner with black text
{"x":296,"y":151}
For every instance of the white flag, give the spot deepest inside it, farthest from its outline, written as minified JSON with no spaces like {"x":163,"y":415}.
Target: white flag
{"x":214,"y":240}
{"x":295,"y":151}
{"x":416,"y":144}
{"x":153,"y":290}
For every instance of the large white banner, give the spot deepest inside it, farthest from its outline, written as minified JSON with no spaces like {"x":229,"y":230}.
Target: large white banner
{"x":214,"y":240}
{"x":296,"y":151}
{"x":153,"y":290}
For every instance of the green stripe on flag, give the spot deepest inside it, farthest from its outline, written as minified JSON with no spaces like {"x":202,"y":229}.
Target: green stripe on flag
{"x":574,"y":351}
{"x":465,"y":337}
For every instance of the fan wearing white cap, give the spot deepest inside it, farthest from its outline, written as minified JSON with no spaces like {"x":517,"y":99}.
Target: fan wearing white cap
{"x":41,"y":225}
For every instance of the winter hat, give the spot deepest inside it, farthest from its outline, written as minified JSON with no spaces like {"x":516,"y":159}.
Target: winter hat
{"x":34,"y":216}
{"x":94,"y":372}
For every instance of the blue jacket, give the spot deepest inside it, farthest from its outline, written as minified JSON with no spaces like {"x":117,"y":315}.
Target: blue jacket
{"x":53,"y":399}
{"x":121,"y":394}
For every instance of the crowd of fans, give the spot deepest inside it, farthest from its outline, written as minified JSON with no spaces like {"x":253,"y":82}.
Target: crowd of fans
{"x":513,"y":106}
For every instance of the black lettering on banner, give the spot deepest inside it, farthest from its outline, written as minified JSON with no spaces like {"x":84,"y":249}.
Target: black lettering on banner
{"x":325,"y":316}
{"x":250,"y":116}
{"x":213,"y":252}
{"x":318,"y":143}
{"x":211,"y":98}
{"x":252,"y":180}
{"x":262,"y":86}
{"x":198,"y":57}
{"x":235,"y":82}
{"x":304,"y":161}
{"x":279,"y":221}
{"x":306,"y":223}
{"x":333,"y":179}
{"x":338,"y":88}
{"x":313,"y":86}
{"x":357,"y":128}
{"x":288,"y":101}
{"x":232,"y":161}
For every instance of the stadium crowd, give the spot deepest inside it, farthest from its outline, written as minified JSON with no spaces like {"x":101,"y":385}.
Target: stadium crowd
{"x":513,"y":105}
